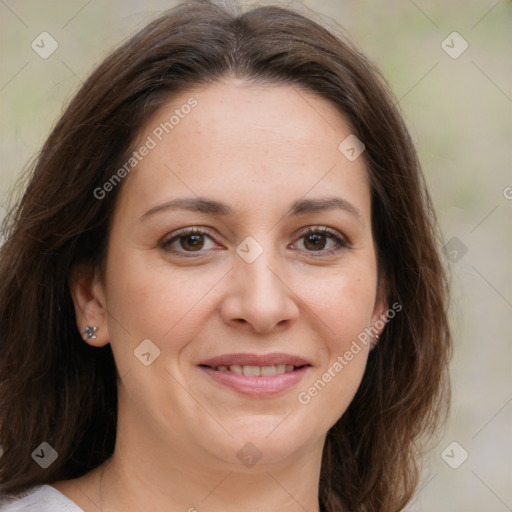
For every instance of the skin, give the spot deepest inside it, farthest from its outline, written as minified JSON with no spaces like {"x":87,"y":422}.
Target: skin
{"x":257,"y":148}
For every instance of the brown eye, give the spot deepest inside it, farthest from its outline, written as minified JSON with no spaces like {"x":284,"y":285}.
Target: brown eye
{"x":322,"y":240}
{"x":188,"y":241}
{"x":191,"y":242}
{"x":315,"y":241}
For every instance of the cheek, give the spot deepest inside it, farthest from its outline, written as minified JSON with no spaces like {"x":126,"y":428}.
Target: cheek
{"x":153,"y":301}
{"x":343,"y":302}
{"x":343,"y":309}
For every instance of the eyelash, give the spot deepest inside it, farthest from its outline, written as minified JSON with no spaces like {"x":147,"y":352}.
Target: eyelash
{"x":339,"y":239}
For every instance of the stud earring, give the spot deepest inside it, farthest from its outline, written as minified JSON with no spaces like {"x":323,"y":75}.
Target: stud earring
{"x":90,"y":332}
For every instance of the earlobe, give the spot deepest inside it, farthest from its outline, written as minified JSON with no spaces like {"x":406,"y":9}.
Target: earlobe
{"x":89,"y":301}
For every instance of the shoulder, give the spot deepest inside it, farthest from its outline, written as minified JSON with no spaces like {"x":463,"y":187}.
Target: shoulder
{"x":43,"y":498}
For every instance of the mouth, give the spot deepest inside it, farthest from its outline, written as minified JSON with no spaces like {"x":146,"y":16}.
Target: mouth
{"x":256,"y":375}
{"x":256,"y":371}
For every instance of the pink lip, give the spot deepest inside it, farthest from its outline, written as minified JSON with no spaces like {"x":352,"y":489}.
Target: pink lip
{"x":256,"y":386}
{"x":246,"y":359}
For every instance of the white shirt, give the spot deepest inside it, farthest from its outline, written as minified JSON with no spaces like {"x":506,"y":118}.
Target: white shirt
{"x":42,"y":498}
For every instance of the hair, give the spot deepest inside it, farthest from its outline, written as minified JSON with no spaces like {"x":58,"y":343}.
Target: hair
{"x":56,"y":388}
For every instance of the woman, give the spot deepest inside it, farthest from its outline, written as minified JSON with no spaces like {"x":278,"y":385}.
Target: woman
{"x":221,"y":289}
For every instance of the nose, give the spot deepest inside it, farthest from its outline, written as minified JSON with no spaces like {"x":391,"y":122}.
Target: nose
{"x":259,"y":298}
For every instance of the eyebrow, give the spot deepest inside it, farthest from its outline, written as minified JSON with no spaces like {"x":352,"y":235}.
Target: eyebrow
{"x":299,"y":207}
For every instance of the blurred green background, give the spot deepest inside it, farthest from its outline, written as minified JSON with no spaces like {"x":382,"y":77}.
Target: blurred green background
{"x":459,"y":111}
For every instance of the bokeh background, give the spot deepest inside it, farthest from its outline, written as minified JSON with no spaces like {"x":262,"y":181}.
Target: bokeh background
{"x":458,"y":104}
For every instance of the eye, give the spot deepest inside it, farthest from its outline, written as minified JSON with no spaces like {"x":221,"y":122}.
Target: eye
{"x":316,"y":239}
{"x":188,"y":240}
{"x":322,"y":240}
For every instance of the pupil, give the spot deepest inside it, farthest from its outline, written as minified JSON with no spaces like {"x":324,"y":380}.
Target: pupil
{"x":193,"y":242}
{"x":318,"y":241}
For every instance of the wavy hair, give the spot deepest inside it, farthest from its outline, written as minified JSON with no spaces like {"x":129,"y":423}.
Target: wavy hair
{"x":56,"y":388}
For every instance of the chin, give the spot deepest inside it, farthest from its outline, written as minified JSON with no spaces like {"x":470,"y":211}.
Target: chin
{"x":261,"y":441}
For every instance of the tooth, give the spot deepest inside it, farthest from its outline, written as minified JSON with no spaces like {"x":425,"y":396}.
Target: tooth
{"x":280,"y":369}
{"x":289,"y":368}
{"x":268,"y":371}
{"x":236,"y":368}
{"x":222,"y":368}
{"x":251,"y":371}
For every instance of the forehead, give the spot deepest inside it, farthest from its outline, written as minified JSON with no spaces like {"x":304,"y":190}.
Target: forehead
{"x":245,"y":141}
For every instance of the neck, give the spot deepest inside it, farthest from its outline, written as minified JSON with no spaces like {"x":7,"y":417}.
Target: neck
{"x":132,"y":480}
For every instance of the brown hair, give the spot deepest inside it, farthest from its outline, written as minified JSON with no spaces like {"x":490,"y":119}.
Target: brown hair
{"x":58,"y":389}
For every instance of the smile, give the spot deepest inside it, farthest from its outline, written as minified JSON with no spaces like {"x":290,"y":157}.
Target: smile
{"x":256,"y":375}
{"x":257,"y":371}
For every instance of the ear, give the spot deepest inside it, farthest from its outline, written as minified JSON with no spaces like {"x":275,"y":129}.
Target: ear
{"x":90,"y":307}
{"x":380,"y":309}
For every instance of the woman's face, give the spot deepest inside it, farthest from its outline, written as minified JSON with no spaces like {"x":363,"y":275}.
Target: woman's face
{"x":240,"y":248}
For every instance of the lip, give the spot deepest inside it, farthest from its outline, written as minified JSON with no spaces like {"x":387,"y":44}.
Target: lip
{"x":256,"y":386}
{"x":247,"y":359}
